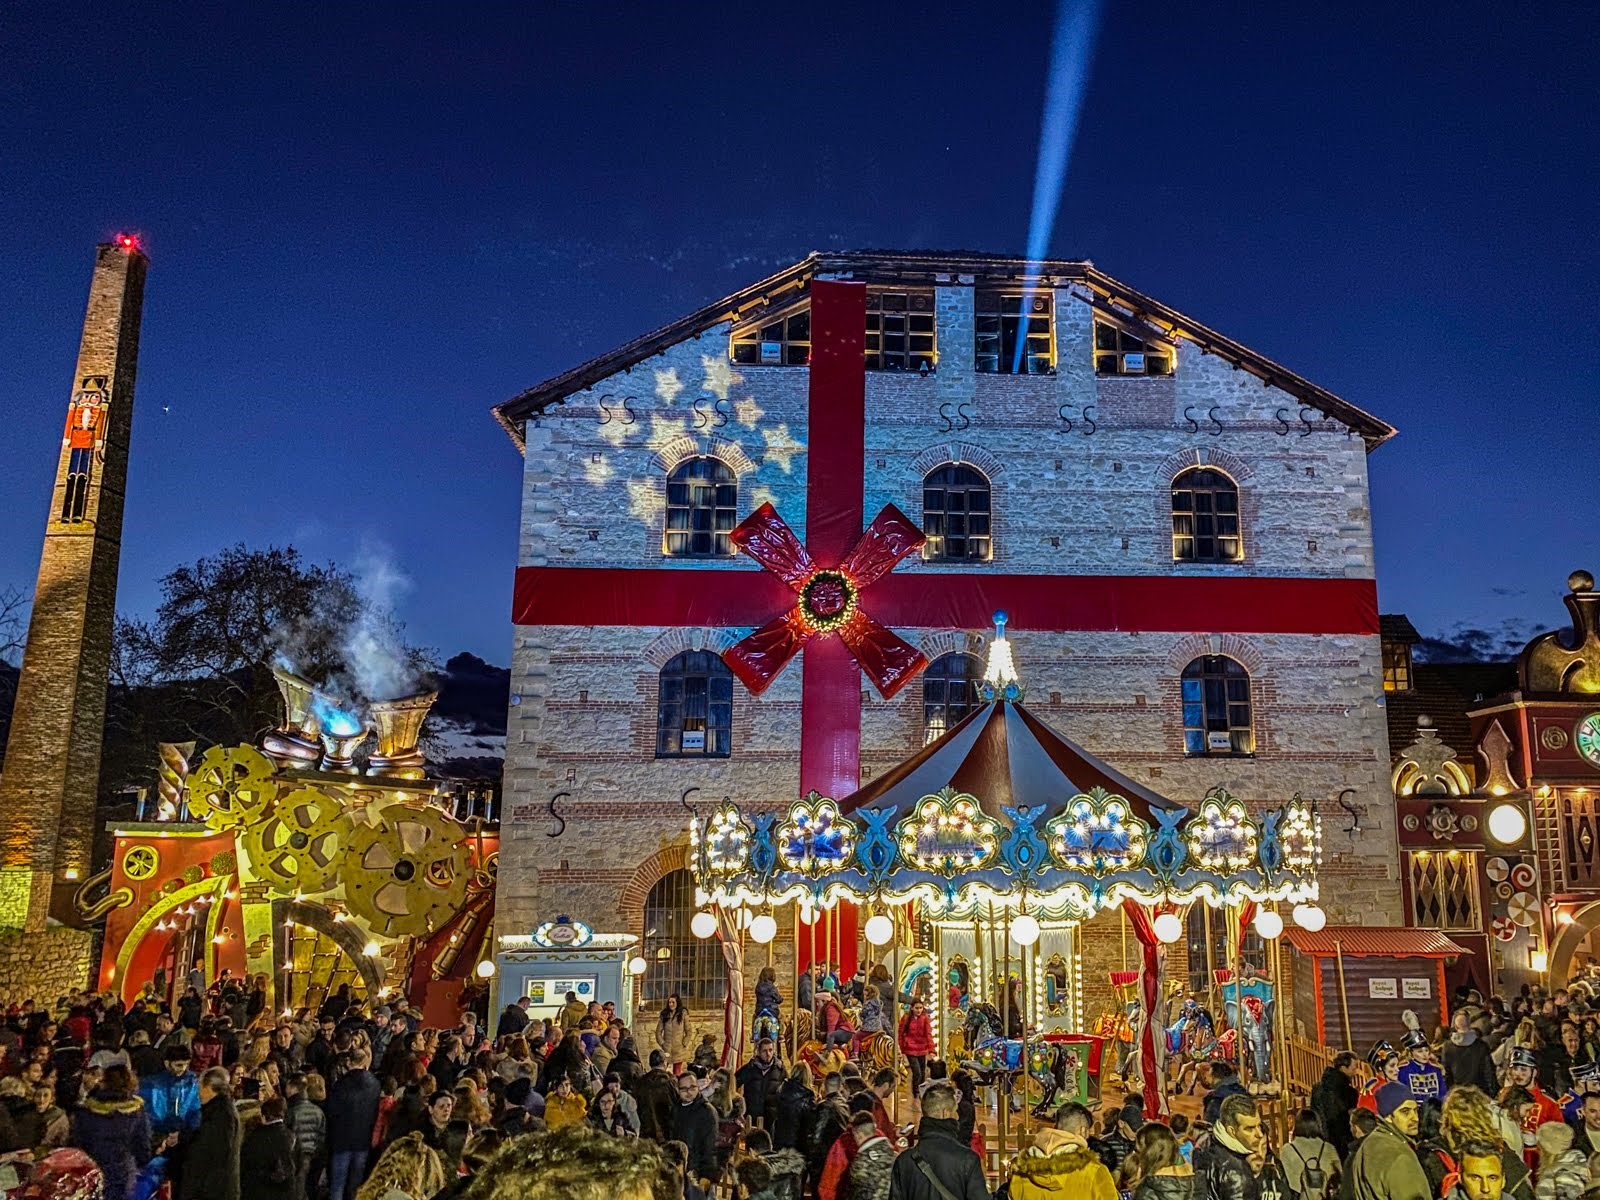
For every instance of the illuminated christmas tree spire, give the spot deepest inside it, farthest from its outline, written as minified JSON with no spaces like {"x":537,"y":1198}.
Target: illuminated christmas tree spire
{"x":1000,"y":680}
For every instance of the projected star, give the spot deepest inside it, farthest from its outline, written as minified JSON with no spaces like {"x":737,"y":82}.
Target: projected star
{"x":720,"y":376}
{"x":747,"y":412}
{"x":781,"y":446}
{"x":668,"y":385}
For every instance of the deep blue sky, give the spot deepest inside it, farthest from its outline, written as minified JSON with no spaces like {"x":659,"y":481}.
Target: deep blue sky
{"x":369,"y":224}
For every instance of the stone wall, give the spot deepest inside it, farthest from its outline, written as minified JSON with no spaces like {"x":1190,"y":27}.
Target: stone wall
{"x":1080,"y":468}
{"x":44,"y":966}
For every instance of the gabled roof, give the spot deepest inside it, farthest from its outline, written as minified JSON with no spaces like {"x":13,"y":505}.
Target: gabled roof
{"x":1367,"y":941}
{"x":926,"y":268}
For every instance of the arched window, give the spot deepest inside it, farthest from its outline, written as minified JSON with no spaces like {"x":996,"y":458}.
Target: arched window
{"x":694,"y":707}
{"x":678,"y":961}
{"x":702,"y":508}
{"x":1205,"y":517}
{"x":1216,"y":707}
{"x":949,"y":691}
{"x":1207,"y":930}
{"x":955,"y":514}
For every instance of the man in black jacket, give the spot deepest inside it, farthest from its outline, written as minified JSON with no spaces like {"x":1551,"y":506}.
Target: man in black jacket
{"x":352,"y":1112}
{"x":759,"y":1081}
{"x":1333,"y":1099}
{"x":695,"y":1125}
{"x":1222,"y":1168}
{"x":211,"y":1165}
{"x":1224,"y":1083}
{"x":657,"y":1095}
{"x":938,"y":1155}
{"x":514,"y":1019}
{"x":1466,"y":1057}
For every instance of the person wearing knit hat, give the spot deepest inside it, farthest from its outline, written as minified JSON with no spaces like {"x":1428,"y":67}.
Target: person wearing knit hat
{"x":1565,"y":1167}
{"x":1385,"y":1162}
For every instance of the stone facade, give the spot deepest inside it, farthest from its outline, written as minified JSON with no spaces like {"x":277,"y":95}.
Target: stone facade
{"x":1080,"y":468}
{"x":52,"y":766}
{"x":45,"y":965}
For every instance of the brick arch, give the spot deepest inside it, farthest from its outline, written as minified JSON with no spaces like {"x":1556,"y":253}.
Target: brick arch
{"x":952,"y":641}
{"x":630,"y":902}
{"x":663,"y":649}
{"x":969,"y":453}
{"x":1230,"y":645}
{"x":681,"y":449}
{"x":1205,"y":456}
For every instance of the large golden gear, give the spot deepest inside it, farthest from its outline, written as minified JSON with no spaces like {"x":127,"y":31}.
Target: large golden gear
{"x":301,"y":842}
{"x":407,"y":874}
{"x":230,"y":786}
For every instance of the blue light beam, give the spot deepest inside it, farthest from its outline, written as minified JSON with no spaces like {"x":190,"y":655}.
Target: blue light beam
{"x":1071,"y":51}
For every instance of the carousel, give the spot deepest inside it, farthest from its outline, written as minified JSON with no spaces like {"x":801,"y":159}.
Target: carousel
{"x":979,"y":861}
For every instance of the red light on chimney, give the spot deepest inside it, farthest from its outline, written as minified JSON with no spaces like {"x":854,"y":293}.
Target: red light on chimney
{"x":127,"y":241}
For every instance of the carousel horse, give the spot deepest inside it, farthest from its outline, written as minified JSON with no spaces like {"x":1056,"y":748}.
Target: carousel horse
{"x":1191,"y":1040}
{"x":997,"y":1061}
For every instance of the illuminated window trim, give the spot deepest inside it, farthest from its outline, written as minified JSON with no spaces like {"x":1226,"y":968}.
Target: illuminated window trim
{"x":1190,"y":485}
{"x":941,"y":714}
{"x":1210,"y":671}
{"x":700,"y":474}
{"x":935,"y":520}
{"x":919,"y":348}
{"x":705,"y":671}
{"x":991,"y":354}
{"x":788,"y":329}
{"x":1397,"y":676}
{"x":1120,"y":351}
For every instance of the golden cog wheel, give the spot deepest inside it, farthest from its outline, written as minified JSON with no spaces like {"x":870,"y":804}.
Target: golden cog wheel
{"x":141,"y":862}
{"x":483,"y":876}
{"x":299,"y":846}
{"x":231,"y":785}
{"x":408,"y":874}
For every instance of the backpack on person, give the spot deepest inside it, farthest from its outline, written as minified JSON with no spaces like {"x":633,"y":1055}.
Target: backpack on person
{"x":1313,"y":1179}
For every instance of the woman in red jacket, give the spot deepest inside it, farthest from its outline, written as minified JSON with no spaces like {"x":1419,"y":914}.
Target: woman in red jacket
{"x":916,"y":1043}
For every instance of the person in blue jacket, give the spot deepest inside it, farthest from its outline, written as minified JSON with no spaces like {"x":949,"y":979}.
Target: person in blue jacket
{"x":172,"y":1096}
{"x":1422,"y":1077}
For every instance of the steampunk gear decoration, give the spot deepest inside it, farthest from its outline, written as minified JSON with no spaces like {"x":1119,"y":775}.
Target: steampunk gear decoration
{"x":301,"y":842}
{"x":409,"y":872}
{"x":230,"y":786}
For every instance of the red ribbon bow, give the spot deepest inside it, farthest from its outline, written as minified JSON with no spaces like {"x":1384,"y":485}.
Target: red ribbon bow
{"x":829,"y":600}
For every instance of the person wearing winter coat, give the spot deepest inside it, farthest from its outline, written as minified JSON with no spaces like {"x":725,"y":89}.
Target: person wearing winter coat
{"x":873,"y":1166}
{"x":874,"y":1013}
{"x":269,"y":1167}
{"x":113,"y":1128}
{"x":172,"y":1096}
{"x":1308,"y":1159}
{"x":674,"y":1034}
{"x":1060,"y":1165}
{"x":1385,"y":1165}
{"x":916,"y":1042}
{"x":564,"y":1106}
{"x":1466,"y":1057}
{"x":767,"y":998}
{"x":307,"y":1124}
{"x":940,"y":1154}
{"x":695,"y":1125}
{"x":792,"y":1111}
{"x":759,"y":1081}
{"x":211,"y":1165}
{"x":830,"y":1117}
{"x":1563,"y":1170}
{"x":1222,"y":1166}
{"x":1156,"y":1170}
{"x":656,"y":1093}
{"x":1224,"y":1083}
{"x":1332,"y":1099}
{"x":352,"y":1112}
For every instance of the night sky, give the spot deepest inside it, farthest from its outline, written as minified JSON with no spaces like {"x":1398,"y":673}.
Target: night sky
{"x":368,"y":224}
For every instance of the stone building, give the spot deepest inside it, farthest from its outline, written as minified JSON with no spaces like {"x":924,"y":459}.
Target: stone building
{"x":1187,"y":525}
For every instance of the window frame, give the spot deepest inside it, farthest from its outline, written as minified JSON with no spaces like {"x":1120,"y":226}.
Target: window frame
{"x":989,"y":308}
{"x":793,"y":326}
{"x":1397,"y":666}
{"x":694,"y":967}
{"x":1116,"y":355}
{"x":945,"y":681}
{"x":1190,"y":514}
{"x":934,"y":548}
{"x":1251,"y":949}
{"x":1216,"y":681}
{"x":914,"y":359}
{"x":719,"y":543}
{"x":1445,"y":875}
{"x":714,"y":698}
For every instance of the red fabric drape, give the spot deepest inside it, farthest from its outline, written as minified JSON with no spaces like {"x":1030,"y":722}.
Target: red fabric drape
{"x":1247,"y":913}
{"x":733,"y":1001}
{"x":1148,"y":1039}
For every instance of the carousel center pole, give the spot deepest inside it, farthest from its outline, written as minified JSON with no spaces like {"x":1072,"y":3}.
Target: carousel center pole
{"x":794,"y":996}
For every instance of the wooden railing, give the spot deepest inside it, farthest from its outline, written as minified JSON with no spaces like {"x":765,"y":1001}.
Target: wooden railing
{"x":1304,"y":1063}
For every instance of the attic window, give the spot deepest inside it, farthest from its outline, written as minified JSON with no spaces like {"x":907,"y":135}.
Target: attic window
{"x":900,"y":331}
{"x":1396,"y":666}
{"x":783,"y":341}
{"x":1003,"y":321}
{"x":1118,"y":352}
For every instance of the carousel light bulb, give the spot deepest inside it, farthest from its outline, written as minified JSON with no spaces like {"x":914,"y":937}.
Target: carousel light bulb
{"x":1167,"y":928}
{"x":637,"y":965}
{"x":1507,"y":824}
{"x":879,"y":929}
{"x":486,"y":968}
{"x":1309,"y":917}
{"x":703,"y":925}
{"x":763,"y":929}
{"x":1025,"y":929}
{"x":1268,"y":924}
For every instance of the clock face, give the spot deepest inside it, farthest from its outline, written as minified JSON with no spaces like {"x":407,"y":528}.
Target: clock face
{"x":1587,"y":735}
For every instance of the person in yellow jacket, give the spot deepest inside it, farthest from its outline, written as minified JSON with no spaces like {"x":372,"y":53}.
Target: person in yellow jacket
{"x":1060,"y":1166}
{"x":572,"y":1014}
{"x":563,"y":1106}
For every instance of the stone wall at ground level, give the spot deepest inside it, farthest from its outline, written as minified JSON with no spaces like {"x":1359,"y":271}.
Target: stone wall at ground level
{"x":43,"y":966}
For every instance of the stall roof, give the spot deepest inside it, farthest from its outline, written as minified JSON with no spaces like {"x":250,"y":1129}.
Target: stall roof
{"x":1366,"y":941}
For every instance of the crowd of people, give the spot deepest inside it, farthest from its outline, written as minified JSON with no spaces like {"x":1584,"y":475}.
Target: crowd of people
{"x":357,"y":1100}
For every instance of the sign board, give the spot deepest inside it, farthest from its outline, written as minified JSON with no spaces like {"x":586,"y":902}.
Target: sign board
{"x":1133,"y":364}
{"x":1383,"y":989}
{"x":1416,"y":989}
{"x":552,"y":993}
{"x":1219,"y":741}
{"x":694,"y":739}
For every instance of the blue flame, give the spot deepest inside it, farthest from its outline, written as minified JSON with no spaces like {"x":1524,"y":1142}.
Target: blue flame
{"x":333,"y":718}
{"x":1071,"y":49}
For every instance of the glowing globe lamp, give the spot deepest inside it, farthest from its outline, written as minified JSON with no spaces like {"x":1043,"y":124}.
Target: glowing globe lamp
{"x":763,"y":929}
{"x":486,"y":968}
{"x":1309,"y":917}
{"x":636,"y":965}
{"x":1025,"y":930}
{"x":1167,"y":928}
{"x":703,"y":925}
{"x":879,"y":929}
{"x":1269,"y":924}
{"x":1507,"y":824}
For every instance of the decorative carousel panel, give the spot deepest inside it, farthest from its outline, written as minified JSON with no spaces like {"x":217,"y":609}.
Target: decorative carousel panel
{"x":1097,"y":834}
{"x":815,"y":839}
{"x":727,"y":840}
{"x":1301,"y":836}
{"x":1222,"y":837}
{"x":947,"y":833}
